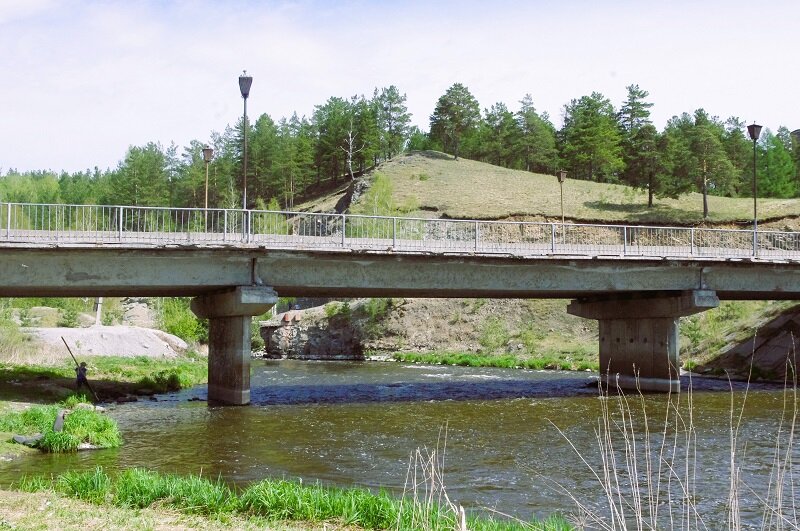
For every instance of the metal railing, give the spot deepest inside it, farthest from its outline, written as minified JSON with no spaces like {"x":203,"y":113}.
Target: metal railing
{"x":22,"y":223}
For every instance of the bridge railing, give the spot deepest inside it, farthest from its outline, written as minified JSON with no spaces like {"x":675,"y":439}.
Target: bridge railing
{"x":90,"y":224}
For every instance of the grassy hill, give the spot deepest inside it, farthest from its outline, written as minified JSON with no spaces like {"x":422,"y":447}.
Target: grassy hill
{"x":433,"y":184}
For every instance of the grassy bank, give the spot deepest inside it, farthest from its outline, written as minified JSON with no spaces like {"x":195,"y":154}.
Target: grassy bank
{"x":81,"y":426}
{"x":507,"y":361}
{"x":271,"y":501}
{"x":110,"y":376}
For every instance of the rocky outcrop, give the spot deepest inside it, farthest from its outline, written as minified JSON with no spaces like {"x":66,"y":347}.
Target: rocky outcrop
{"x":767,"y":355}
{"x":312,"y":335}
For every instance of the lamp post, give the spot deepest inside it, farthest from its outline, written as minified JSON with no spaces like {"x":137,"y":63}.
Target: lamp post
{"x":244,"y":87}
{"x":562,"y":176}
{"x":208,"y":153}
{"x":754,"y":131}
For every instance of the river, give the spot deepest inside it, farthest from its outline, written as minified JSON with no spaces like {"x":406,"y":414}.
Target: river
{"x":349,"y":423}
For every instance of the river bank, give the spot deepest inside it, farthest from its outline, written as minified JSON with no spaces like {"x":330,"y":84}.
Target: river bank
{"x":274,"y":502}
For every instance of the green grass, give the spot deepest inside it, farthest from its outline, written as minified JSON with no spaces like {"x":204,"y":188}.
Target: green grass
{"x":468,"y":189}
{"x":507,"y":361}
{"x":705,"y":335}
{"x":270,"y":500}
{"x":80,"y":426}
{"x":141,"y":372}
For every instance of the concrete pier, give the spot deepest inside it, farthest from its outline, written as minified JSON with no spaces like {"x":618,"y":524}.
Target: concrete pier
{"x":639,"y":336}
{"x":229,"y":313}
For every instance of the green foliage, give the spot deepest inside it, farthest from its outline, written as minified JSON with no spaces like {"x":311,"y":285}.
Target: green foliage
{"x":69,"y":318}
{"x":378,"y":308}
{"x":592,"y":141}
{"x":338,"y":311}
{"x":157,"y":375}
{"x":378,"y":200}
{"x":80,"y":426}
{"x":456,"y":113}
{"x":284,"y":500}
{"x":91,"y":486}
{"x":141,"y":488}
{"x":506,"y":361}
{"x":274,"y":500}
{"x":494,"y":334}
{"x":176,"y":317}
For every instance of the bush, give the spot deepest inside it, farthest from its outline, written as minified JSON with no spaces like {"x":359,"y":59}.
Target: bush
{"x":494,"y":335}
{"x":176,"y":318}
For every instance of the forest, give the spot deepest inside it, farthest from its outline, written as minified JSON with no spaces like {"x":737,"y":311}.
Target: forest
{"x":294,"y":158}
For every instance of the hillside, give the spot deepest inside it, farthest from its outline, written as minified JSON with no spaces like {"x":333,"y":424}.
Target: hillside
{"x":433,"y":184}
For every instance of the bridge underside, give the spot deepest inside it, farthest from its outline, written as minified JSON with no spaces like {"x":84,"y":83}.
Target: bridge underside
{"x":637,"y":301}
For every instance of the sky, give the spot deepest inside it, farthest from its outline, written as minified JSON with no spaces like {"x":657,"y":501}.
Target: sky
{"x":82,"y":81}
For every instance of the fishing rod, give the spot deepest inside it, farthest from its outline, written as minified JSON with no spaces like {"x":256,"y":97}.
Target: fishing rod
{"x":77,"y":365}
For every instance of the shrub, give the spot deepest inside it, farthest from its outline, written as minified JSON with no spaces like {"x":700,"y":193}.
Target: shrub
{"x":176,"y":317}
{"x":494,"y":335}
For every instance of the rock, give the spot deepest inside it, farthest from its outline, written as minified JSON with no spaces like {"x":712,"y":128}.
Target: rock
{"x":312,"y":335}
{"x":29,"y":440}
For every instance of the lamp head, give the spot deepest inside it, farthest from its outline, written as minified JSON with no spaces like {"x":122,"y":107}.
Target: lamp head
{"x":754,"y":131}
{"x":244,"y":84}
{"x":562,"y":175}
{"x":208,"y":153}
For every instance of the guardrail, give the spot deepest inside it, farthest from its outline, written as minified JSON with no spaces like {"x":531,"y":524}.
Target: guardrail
{"x":157,"y":226}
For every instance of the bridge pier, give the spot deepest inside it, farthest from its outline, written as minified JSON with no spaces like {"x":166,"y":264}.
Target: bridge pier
{"x":230,"y":313}
{"x":639,"y":336}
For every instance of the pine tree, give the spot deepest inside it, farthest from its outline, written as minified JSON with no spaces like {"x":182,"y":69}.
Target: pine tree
{"x":536,"y":144}
{"x":456,"y":113}
{"x":592,"y":141}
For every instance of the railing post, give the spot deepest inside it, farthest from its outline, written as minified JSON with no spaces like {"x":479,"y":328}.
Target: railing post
{"x":394,"y":233}
{"x":344,"y":220}
{"x":755,"y":243}
{"x":691,"y":247}
{"x":225,"y":225}
{"x":553,"y":238}
{"x":625,"y":240}
{"x":8,"y":221}
{"x":249,"y":224}
{"x":477,"y":235}
{"x":119,"y":223}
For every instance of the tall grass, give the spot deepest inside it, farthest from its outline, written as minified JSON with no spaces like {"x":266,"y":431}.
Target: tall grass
{"x":647,"y":469}
{"x":275,"y":500}
{"x":80,"y":426}
{"x":507,"y":361}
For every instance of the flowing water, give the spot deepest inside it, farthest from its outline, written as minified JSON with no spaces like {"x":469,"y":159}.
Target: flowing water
{"x":347,"y":423}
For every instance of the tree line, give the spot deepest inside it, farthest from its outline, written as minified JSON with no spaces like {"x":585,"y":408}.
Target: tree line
{"x":297,"y":157}
{"x":598,"y":142}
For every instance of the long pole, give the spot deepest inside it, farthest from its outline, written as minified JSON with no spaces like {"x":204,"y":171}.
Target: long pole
{"x":77,"y":365}
{"x":206,"y":204}
{"x":244,"y":191}
{"x":205,"y":212}
{"x":755,"y":203}
{"x":563,"y":229}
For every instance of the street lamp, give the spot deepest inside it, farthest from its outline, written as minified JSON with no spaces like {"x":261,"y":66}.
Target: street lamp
{"x":208,"y":153}
{"x":754,"y":131}
{"x":244,"y":87}
{"x":562,"y":176}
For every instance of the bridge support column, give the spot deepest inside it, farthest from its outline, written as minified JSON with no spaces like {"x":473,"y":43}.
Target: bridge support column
{"x":639,"y":336}
{"x":230,"y":313}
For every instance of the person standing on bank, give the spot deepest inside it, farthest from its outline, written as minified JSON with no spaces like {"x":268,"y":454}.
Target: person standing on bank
{"x":80,"y":376}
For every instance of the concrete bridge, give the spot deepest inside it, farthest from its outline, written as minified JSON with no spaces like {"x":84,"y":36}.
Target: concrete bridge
{"x":637,"y":281}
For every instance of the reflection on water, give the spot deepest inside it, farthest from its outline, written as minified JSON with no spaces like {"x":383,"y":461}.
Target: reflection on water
{"x":357,"y":423}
